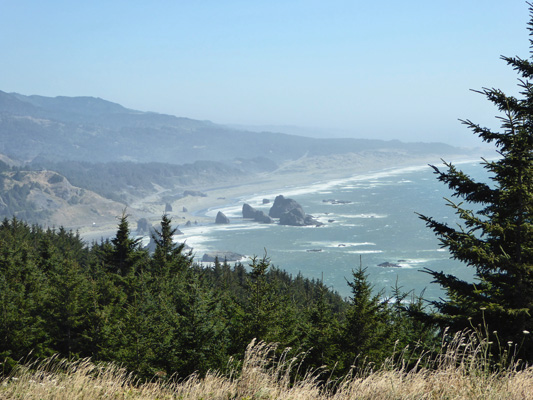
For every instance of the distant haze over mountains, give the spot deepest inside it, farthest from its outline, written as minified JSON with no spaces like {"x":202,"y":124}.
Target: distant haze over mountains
{"x":77,"y":161}
{"x":95,"y":130}
{"x":312,"y":132}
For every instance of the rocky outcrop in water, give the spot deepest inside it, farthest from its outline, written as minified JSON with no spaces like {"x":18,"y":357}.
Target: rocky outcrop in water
{"x":143,"y":226}
{"x":221,"y":218}
{"x":248,"y":211}
{"x":290,"y":212}
{"x":260,"y":216}
{"x":389,"y":265}
{"x":296,"y":217}
{"x":282,"y":205}
{"x":257,"y":215}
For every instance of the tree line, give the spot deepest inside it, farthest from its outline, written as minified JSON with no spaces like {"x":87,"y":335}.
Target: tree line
{"x":160,"y":312}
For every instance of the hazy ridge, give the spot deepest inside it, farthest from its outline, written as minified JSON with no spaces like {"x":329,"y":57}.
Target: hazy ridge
{"x":96,"y":130}
{"x":144,"y":159}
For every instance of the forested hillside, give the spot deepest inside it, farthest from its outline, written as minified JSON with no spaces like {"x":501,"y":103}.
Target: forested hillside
{"x":160,"y":312}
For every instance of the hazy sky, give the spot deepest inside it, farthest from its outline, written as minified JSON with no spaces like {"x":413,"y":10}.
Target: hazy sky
{"x":374,"y":69}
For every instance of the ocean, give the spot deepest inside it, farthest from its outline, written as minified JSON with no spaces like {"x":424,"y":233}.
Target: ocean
{"x":373,"y":222}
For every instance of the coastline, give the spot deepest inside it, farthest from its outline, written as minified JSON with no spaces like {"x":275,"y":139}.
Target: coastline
{"x":360,"y":231}
{"x":298,"y":174}
{"x":377,"y":226}
{"x":286,"y":182}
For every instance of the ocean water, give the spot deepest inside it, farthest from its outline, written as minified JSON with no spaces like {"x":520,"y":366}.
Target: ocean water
{"x":377,"y":224}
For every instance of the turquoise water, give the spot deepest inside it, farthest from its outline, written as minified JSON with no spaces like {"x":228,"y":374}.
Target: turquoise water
{"x":378,"y":225}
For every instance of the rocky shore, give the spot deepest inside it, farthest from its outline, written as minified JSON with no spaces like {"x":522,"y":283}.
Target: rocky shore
{"x":305,"y":171}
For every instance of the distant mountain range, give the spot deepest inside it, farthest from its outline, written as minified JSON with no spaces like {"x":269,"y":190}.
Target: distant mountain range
{"x":78,"y":161}
{"x":95,"y":130}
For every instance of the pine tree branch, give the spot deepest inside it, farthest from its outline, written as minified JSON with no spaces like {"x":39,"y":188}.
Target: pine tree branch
{"x":464,"y":186}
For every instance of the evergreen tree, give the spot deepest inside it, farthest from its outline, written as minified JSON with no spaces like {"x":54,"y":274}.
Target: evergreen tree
{"x":409,"y":332}
{"x":23,"y":290}
{"x":103,"y":295}
{"x":134,"y":346}
{"x":322,"y":329}
{"x":168,"y":257}
{"x":366,"y":330}
{"x":200,"y":341}
{"x":266,"y":312}
{"x":125,"y":254}
{"x":67,"y":309}
{"x":260,"y":300}
{"x":496,"y":238}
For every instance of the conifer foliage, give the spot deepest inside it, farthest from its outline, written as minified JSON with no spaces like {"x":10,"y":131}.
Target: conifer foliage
{"x":154,"y":312}
{"x":367,"y":322}
{"x":495,"y":236}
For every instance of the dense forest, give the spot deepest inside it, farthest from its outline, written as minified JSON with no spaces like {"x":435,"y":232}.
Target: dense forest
{"x":161,"y":313}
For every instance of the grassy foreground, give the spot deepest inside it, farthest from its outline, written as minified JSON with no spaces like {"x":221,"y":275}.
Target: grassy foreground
{"x":460,"y":371}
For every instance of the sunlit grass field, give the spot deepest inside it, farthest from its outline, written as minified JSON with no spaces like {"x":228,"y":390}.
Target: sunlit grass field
{"x":461,"y":369}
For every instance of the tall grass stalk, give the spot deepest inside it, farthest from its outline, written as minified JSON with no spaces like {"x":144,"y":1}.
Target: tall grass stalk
{"x":460,"y":369}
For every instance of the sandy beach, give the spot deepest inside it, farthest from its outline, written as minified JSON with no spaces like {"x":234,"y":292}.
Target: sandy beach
{"x":302,"y":172}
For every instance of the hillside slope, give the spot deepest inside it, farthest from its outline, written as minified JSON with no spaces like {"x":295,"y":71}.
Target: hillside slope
{"x":96,"y":130}
{"x":49,"y":199}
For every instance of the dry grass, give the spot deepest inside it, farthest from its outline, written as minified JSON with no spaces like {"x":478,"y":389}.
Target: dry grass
{"x":460,"y":371}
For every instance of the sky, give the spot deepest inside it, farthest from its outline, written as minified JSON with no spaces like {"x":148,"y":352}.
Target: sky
{"x":367,"y":69}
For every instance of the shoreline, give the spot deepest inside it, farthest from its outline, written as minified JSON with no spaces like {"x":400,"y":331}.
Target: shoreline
{"x":299,"y":174}
{"x":291,"y":183}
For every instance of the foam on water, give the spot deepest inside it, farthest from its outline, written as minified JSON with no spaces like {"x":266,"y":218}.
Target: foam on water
{"x":364,"y":251}
{"x":232,"y":211}
{"x":364,"y":180}
{"x":338,"y":244}
{"x":373,"y":226}
{"x":199,"y":237}
{"x":356,"y":216}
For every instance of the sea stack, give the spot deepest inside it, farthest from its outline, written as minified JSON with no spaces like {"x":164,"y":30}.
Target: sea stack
{"x":282,"y":205}
{"x":221,"y":218}
{"x":291,"y":213}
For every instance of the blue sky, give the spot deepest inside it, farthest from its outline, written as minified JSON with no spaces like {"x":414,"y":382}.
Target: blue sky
{"x":384,"y":69}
